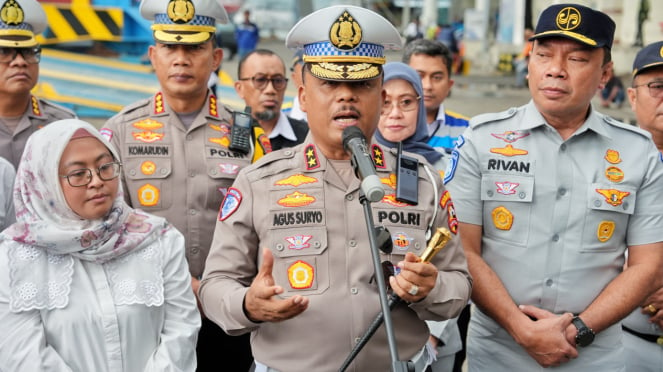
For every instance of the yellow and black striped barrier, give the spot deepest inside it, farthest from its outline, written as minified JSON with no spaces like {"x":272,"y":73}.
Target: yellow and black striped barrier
{"x":78,"y":21}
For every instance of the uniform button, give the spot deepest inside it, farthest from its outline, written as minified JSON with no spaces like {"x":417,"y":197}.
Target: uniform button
{"x":549,"y":282}
{"x":316,"y":244}
{"x":163,"y":171}
{"x":417,"y":246}
{"x":192,"y":212}
{"x":352,"y":243}
{"x":490,"y":193}
{"x":357,"y":339}
{"x":349,"y":197}
{"x":597,"y":203}
{"x":192,"y":174}
{"x":287,"y":152}
{"x":279,"y":247}
{"x":354,"y":290}
{"x":522,"y":195}
{"x":562,"y":191}
{"x":132,"y":172}
{"x":563,"y":147}
{"x":195,"y":250}
{"x":625,"y":205}
{"x":213,"y":172}
{"x":555,"y":238}
{"x":189,"y":137}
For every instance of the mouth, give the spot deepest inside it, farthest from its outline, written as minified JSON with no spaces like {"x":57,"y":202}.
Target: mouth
{"x":180,"y":77}
{"x":100,"y":197}
{"x":347,"y":117}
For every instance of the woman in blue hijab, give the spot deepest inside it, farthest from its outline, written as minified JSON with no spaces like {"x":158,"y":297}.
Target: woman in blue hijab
{"x":403,"y":117}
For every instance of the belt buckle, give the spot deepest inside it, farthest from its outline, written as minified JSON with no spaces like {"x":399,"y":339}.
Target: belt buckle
{"x":659,"y":341}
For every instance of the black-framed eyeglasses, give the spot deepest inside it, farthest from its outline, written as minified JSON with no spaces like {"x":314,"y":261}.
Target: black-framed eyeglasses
{"x":260,"y":82}
{"x":655,"y":88}
{"x":30,"y":55}
{"x":405,"y":104}
{"x":83,"y":177}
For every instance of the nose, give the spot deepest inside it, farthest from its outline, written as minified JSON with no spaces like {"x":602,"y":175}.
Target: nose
{"x":19,"y":60}
{"x":557,"y":67}
{"x":181,"y":56}
{"x":346,"y":93}
{"x":95,"y":181}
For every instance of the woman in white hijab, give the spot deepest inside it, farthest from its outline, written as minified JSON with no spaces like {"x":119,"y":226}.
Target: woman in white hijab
{"x":86,"y":282}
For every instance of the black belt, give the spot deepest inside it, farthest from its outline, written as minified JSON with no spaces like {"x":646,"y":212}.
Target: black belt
{"x":644,"y":336}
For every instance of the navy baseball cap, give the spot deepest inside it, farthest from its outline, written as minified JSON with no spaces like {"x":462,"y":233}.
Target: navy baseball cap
{"x":647,"y":57}
{"x":578,"y":23}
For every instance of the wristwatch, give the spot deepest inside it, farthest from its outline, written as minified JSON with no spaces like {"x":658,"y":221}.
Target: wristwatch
{"x":585,"y":334}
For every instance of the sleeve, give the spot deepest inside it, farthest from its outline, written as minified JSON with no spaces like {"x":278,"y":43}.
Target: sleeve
{"x":454,"y":283}
{"x":232,"y":262}
{"x":7,"y":214}
{"x":23,"y":344}
{"x":177,"y":346}
{"x":463,"y":180}
{"x":646,"y":225}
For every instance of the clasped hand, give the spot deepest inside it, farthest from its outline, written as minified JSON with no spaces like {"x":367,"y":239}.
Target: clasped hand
{"x":414,"y":274}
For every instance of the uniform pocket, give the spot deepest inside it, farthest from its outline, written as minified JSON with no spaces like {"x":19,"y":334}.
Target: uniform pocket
{"x":507,"y":207}
{"x":610,"y":207}
{"x":301,"y":260}
{"x":146,"y":180}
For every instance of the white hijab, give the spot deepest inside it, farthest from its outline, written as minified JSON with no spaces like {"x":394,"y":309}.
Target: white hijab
{"x":48,"y":235}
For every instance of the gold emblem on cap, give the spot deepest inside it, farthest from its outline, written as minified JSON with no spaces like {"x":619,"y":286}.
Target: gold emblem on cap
{"x":345,"y":33}
{"x":181,"y":11}
{"x":568,"y":18}
{"x":660,"y":52}
{"x":11,"y":13}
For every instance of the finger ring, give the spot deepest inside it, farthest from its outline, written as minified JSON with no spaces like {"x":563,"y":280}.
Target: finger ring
{"x":652,"y":309}
{"x":413,"y":290}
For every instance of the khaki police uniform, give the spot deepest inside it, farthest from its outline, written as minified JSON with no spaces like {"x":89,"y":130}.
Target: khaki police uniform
{"x":38,"y":113}
{"x":557,"y":217}
{"x":176,"y":172}
{"x":300,"y":205}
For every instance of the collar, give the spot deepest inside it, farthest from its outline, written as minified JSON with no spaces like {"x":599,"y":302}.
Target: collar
{"x":439,"y":120}
{"x":595,"y":121}
{"x":283,"y":129}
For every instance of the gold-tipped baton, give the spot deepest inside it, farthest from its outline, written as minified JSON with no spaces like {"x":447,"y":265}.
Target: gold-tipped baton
{"x":435,"y":244}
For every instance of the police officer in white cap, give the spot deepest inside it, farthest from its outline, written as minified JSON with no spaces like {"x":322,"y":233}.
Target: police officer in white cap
{"x":174,"y":147}
{"x":21,"y":113}
{"x":291,"y":261}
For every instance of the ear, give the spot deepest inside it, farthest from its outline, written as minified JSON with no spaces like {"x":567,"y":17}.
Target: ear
{"x":301,"y":95}
{"x":217,"y":57}
{"x":239,"y":88}
{"x":632,"y":97}
{"x":605,"y":74}
{"x":151,"y":50}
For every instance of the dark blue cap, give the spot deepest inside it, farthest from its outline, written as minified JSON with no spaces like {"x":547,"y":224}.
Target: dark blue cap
{"x":576,"y":22}
{"x":649,"y":56}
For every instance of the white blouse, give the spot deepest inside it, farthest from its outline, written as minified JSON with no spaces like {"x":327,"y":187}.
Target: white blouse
{"x":105,"y":326}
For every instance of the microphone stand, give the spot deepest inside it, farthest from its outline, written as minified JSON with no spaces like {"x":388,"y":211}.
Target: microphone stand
{"x":437,"y":242}
{"x":396,"y":365}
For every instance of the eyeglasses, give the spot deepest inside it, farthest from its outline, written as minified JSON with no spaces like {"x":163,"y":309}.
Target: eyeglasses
{"x":405,"y":104}
{"x":260,"y":82}
{"x":83,"y":177}
{"x":30,"y":55}
{"x":655,"y":88}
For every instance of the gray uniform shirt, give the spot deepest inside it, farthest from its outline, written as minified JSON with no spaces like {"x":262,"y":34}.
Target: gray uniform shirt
{"x":179,"y":173}
{"x":38,"y":113}
{"x":557,"y":215}
{"x":295,"y":203}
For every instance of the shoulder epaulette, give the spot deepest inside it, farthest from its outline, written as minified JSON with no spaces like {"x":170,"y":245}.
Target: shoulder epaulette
{"x":259,"y":169}
{"x":491,"y":117}
{"x":61,"y":111}
{"x":135,"y":110}
{"x":632,"y":128}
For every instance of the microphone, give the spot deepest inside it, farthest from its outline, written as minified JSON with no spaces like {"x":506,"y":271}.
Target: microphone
{"x":354,"y":144}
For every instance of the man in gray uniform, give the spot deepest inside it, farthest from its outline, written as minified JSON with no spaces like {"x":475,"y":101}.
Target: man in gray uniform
{"x":550,"y":195}
{"x":291,"y":262}
{"x":21,"y":113}
{"x":174,"y":146}
{"x":643,"y":334}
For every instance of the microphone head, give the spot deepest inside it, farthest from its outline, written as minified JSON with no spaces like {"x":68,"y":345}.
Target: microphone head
{"x":350,"y":133}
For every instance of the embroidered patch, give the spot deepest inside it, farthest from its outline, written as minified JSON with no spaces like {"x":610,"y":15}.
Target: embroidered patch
{"x":223,"y":141}
{"x":605,"y":230}
{"x":401,"y":241}
{"x":502,"y":218}
{"x":149,"y":195}
{"x":147,"y":136}
{"x":296,"y":180}
{"x":614,"y":174}
{"x":391,"y":200}
{"x":311,"y":157}
{"x":300,"y":275}
{"x":298,"y":241}
{"x":389,"y":181}
{"x":509,"y":150}
{"x":613,"y":197}
{"x":446,"y":197}
{"x":106,"y":133}
{"x":230,"y":203}
{"x":223,"y":128}
{"x":35,"y":106}
{"x":510,"y":136}
{"x":506,"y":188}
{"x":147,"y":124}
{"x":159,"y":107}
{"x":213,"y":108}
{"x":228,"y":168}
{"x":148,"y":168}
{"x":378,"y":157}
{"x":265,"y":143}
{"x":451,"y":166}
{"x":452,"y":219}
{"x":296,"y":199}
{"x":612,"y":157}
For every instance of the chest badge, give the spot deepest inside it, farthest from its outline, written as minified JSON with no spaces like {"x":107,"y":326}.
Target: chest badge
{"x":502,"y":218}
{"x":613,"y":197}
{"x":605,"y":230}
{"x":612,"y":157}
{"x":296,"y":199}
{"x":301,"y":275}
{"x":509,"y":150}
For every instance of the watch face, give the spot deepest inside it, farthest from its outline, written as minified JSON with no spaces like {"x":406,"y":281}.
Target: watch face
{"x":584,"y":337}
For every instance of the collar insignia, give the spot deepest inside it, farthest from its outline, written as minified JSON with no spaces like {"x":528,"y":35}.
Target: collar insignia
{"x":213,"y":108}
{"x":378,"y":157}
{"x":158,"y":103}
{"x":311,"y":157}
{"x":35,"y":106}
